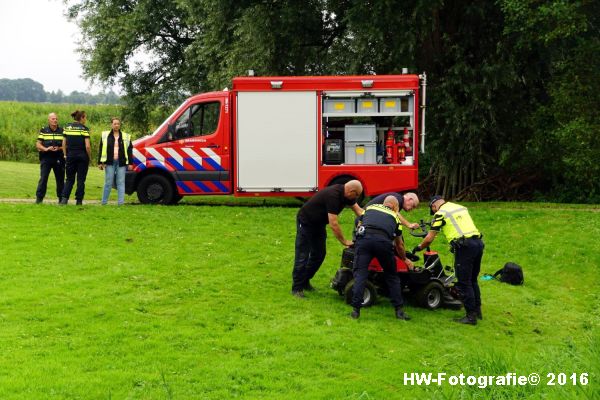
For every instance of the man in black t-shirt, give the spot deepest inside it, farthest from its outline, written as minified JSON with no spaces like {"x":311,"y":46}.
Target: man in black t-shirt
{"x":322,"y":209}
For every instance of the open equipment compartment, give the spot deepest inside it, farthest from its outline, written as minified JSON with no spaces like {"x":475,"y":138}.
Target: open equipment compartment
{"x":385,"y":119}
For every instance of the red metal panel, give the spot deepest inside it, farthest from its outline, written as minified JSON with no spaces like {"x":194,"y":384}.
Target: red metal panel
{"x":376,"y":179}
{"x":380,"y":82}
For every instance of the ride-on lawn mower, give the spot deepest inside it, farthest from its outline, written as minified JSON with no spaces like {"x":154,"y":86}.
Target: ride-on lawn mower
{"x":430,"y":284}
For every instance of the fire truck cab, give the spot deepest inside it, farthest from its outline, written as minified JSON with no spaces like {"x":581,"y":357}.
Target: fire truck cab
{"x":285,"y":136}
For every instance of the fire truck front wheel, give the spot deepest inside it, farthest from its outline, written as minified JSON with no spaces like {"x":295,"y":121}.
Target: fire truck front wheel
{"x":155,"y":189}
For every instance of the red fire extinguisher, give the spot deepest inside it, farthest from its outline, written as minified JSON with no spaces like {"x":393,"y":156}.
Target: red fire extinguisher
{"x":408,"y":151}
{"x":401,"y":152}
{"x":390,"y":153}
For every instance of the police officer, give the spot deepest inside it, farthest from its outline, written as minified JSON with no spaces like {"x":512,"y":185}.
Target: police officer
{"x":407,"y":202}
{"x":379,"y":232}
{"x":76,"y":145}
{"x":49,"y":146}
{"x":466,"y":244}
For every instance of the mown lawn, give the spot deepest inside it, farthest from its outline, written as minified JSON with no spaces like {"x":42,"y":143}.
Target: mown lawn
{"x":19,"y":181}
{"x":192,"y":302}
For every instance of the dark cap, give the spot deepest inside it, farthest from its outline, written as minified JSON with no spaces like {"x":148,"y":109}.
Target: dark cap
{"x":433,"y":200}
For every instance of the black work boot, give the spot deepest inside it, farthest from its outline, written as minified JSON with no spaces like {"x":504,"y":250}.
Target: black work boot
{"x":298,"y":293}
{"x":63,"y":201}
{"x":79,"y":203}
{"x":479,"y":314}
{"x":39,"y":200}
{"x":355,"y":314}
{"x":469,"y":319}
{"x":400,"y":314}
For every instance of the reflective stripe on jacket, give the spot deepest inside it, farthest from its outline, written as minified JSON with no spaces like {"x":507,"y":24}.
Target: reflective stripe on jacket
{"x":380,"y":218}
{"x":49,"y":137}
{"x":455,"y":221}
{"x":126,"y":137}
{"x":75,"y":135}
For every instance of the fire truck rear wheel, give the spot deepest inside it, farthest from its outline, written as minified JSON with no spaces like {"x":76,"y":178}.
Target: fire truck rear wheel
{"x":155,"y":189}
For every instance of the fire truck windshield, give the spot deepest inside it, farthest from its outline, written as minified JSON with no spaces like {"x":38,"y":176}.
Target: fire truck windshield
{"x":166,"y":121}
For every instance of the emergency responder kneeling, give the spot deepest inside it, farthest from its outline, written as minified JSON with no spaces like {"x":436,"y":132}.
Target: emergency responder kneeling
{"x":379,"y":232}
{"x":466,"y":244}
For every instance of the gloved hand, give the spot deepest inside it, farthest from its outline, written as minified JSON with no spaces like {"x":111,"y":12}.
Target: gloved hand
{"x":416,"y":250}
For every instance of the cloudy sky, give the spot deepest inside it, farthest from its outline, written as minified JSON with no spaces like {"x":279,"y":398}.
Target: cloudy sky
{"x":37,"y":42}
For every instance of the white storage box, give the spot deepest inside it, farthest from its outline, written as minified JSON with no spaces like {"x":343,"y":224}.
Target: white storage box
{"x":339,"y":106}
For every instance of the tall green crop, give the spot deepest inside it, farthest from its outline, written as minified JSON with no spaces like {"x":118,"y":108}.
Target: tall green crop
{"x":20,"y":123}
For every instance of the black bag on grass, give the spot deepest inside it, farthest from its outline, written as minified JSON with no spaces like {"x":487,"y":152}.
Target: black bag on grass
{"x":511,"y":273}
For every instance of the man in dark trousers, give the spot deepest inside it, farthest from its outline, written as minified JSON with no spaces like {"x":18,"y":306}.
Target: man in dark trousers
{"x":466,"y":244}
{"x":379,"y":232}
{"x":49,"y":146}
{"x":322,"y":209}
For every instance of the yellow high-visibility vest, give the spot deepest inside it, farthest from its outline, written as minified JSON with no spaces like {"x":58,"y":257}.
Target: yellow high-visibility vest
{"x":458,"y":222}
{"x":384,"y":209}
{"x":126,"y":142}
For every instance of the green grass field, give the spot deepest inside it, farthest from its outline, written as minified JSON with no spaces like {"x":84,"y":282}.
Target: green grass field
{"x":192,"y":302}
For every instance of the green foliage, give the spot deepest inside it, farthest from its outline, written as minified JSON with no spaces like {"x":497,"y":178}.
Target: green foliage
{"x":562,"y":40}
{"x":30,"y":90}
{"x":21,"y":90}
{"x":20,"y":124}
{"x":502,"y":74}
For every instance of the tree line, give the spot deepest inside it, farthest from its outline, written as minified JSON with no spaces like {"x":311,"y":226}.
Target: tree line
{"x":513,"y":85}
{"x":30,"y":90}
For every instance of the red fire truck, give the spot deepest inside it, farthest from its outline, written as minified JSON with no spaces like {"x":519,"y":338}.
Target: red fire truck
{"x":285,"y":136}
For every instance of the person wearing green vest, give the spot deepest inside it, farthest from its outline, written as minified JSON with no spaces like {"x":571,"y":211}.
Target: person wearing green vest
{"x":466,"y":244}
{"x":114,"y":157}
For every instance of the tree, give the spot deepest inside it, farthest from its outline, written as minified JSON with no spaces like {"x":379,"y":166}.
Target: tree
{"x":560,"y":43}
{"x":499,"y":72}
{"x":22,"y":90}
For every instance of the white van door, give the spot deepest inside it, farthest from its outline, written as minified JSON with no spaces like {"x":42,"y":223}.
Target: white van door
{"x":277,"y":141}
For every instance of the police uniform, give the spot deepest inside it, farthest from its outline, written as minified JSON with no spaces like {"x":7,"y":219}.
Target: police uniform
{"x":51,"y":160}
{"x":380,"y":226}
{"x":78,"y":161}
{"x":379,"y":199}
{"x":466,"y":244}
